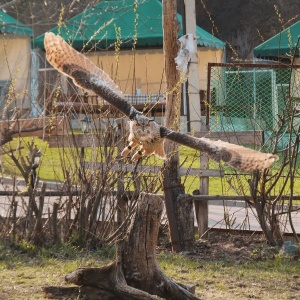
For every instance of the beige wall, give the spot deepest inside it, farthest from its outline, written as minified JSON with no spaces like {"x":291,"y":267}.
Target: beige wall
{"x":207,"y":55}
{"x":15,"y":61}
{"x":144,"y":70}
{"x":295,"y":81}
{"x":147,"y":68}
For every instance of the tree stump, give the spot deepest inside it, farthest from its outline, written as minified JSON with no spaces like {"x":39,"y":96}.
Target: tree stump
{"x":135,"y":273}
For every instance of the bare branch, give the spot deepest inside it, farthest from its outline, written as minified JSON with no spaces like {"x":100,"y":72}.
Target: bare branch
{"x":10,"y":3}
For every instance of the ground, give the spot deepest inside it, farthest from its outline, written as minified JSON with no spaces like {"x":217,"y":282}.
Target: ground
{"x":221,"y":245}
{"x":239,"y":266}
{"x":237,"y":247}
{"x":223,"y":266}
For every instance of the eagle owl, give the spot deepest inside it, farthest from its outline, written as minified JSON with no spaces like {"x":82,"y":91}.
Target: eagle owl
{"x":144,"y":133}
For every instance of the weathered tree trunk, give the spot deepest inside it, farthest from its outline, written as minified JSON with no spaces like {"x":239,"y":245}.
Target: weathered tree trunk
{"x":171,"y":178}
{"x":135,"y":274}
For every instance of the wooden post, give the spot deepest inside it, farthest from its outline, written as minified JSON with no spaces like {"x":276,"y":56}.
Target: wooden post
{"x":185,"y":216}
{"x":38,"y":236}
{"x":171,"y":179}
{"x":56,"y":237}
{"x":201,"y":207}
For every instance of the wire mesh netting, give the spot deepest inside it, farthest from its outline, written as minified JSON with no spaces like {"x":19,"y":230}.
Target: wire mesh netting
{"x":257,"y":99}
{"x":252,"y":96}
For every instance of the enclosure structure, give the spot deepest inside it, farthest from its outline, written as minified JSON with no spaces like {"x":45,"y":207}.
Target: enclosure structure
{"x":283,"y":45}
{"x":15,"y":64}
{"x":284,"y":48}
{"x":250,"y":97}
{"x":131,"y":34}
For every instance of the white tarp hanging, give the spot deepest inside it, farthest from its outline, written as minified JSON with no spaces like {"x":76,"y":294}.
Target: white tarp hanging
{"x":36,"y":110}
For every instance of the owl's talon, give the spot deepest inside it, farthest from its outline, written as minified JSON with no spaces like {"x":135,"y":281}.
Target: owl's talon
{"x":125,"y":152}
{"x":137,"y":155}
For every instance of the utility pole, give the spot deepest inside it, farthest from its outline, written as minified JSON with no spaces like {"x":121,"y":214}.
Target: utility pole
{"x":193,"y":77}
{"x":201,"y":208}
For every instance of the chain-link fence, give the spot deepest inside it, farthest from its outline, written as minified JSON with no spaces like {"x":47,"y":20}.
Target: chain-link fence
{"x":246,"y":97}
{"x":261,"y":98}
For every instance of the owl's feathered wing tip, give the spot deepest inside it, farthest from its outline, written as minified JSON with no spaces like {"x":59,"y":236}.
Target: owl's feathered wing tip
{"x":238,"y":157}
{"x":69,"y":61}
{"x":54,"y":47}
{"x":245,"y":159}
{"x":264,"y":161}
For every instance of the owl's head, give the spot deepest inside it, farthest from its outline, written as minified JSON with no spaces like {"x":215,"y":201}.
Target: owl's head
{"x":144,"y":129}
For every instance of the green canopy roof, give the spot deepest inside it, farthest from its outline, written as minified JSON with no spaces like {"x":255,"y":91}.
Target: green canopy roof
{"x":9,"y":24}
{"x":99,"y":26}
{"x":282,"y":44}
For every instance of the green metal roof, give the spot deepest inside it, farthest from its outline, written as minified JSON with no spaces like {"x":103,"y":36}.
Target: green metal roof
{"x":97,"y":26}
{"x":282,"y":44}
{"x":9,"y":24}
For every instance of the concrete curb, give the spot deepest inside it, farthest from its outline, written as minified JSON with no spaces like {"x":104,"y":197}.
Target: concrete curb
{"x":52,"y":185}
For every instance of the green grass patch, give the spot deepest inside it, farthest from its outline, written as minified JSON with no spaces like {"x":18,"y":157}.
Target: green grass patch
{"x":59,"y":163}
{"x":235,"y":280}
{"x":25,"y":269}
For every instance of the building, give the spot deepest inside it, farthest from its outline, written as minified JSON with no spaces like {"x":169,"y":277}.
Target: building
{"x":259,"y":96}
{"x":15,"y":65}
{"x":284,"y":48}
{"x":125,"y":38}
{"x":281,"y":47}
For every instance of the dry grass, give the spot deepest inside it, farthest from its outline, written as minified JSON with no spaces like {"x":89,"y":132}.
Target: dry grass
{"x":24,"y":270}
{"x":237,"y":280}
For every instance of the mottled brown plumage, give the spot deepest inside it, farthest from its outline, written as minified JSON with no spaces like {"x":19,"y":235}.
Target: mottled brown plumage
{"x":144,"y":132}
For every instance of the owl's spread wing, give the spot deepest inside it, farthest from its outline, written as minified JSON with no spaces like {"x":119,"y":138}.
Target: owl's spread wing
{"x":238,"y":157}
{"x":87,"y":75}
{"x":242,"y":158}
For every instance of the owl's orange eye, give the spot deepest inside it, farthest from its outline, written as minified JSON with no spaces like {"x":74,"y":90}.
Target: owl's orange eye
{"x":138,"y":124}
{"x":148,"y":125}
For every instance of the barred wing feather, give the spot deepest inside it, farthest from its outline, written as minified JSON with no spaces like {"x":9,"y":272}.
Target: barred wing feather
{"x":83,"y":72}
